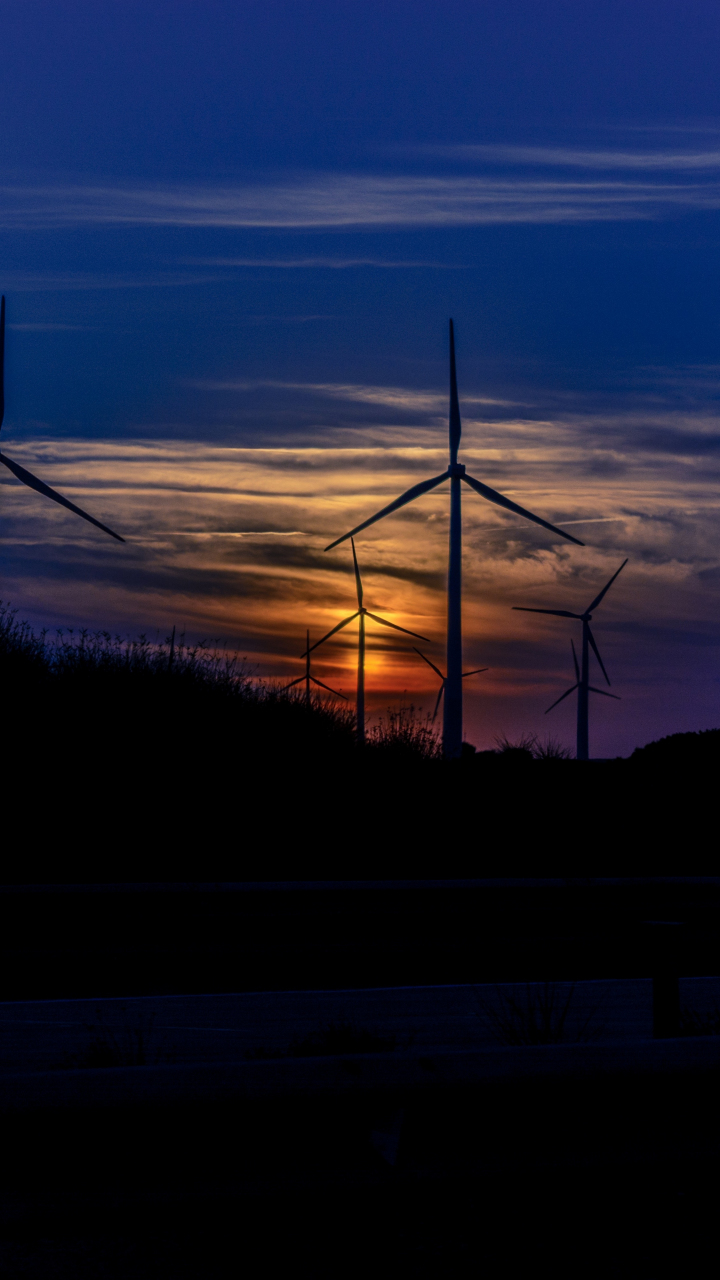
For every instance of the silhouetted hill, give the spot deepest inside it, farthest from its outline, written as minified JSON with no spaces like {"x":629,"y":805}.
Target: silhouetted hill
{"x":681,"y":749}
{"x":126,"y":759}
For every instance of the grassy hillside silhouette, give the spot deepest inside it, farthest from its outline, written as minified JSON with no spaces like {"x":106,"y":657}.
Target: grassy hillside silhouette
{"x":132,"y":757}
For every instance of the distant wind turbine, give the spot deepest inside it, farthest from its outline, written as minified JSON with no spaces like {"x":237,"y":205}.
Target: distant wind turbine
{"x":310,"y":679}
{"x":362,"y":613}
{"x":19,"y":472}
{"x":582,"y":677}
{"x":452,"y":716}
{"x":443,"y":678}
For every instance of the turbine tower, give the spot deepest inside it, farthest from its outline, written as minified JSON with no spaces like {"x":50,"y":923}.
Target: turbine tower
{"x":310,"y":679}
{"x":582,"y":676}
{"x":19,"y":472}
{"x":452,"y":718}
{"x":443,"y":678}
{"x":362,"y":613}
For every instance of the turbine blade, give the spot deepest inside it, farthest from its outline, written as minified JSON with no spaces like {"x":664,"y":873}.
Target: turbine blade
{"x":556,"y":613}
{"x":455,"y":425}
{"x":33,"y":483}
{"x":605,"y":589}
{"x":292,"y":682}
{"x":339,"y":627}
{"x":605,"y":693}
{"x":409,"y":496}
{"x":327,"y":686}
{"x":437,"y":670}
{"x":2,"y":359}
{"x":493,"y":496}
{"x":358,"y":579}
{"x":596,"y":651}
{"x":476,"y":672}
{"x":439,"y":700}
{"x":395,"y":626}
{"x":566,"y":694}
{"x":577,"y":668}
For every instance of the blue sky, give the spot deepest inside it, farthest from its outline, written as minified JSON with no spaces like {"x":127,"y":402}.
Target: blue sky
{"x":231,"y":236}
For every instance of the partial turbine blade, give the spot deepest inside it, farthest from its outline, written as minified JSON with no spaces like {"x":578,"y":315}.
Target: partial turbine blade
{"x":455,"y":426}
{"x":293,"y":682}
{"x":605,"y":589}
{"x":596,"y":651}
{"x":358,"y":579}
{"x":437,"y":670}
{"x":410,"y":496}
{"x":33,"y":483}
{"x":339,"y":627}
{"x":476,"y":672}
{"x":439,"y":700}
{"x":566,"y":694}
{"x":604,"y":693}
{"x":577,"y":668}
{"x":493,"y":496}
{"x":395,"y":626}
{"x":556,"y":613}
{"x":327,"y":686}
{"x":2,"y":359}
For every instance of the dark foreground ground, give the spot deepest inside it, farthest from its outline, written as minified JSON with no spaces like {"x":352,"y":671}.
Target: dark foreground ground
{"x":601,"y":1177}
{"x":608,"y":1174}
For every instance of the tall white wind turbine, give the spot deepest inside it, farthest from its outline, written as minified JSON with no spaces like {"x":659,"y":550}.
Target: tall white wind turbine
{"x":452,"y":716}
{"x":582,"y":673}
{"x":26,"y":476}
{"x":361,"y":614}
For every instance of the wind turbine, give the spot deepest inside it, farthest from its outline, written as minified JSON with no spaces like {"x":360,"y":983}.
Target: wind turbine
{"x":362,"y":613}
{"x":443,"y":678}
{"x":308,"y":678}
{"x":582,"y":677}
{"x":19,"y":472}
{"x":452,"y":717}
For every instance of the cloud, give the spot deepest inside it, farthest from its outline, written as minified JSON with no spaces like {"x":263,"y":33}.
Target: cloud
{"x":228,"y":542}
{"x":49,"y":328}
{"x":335,"y":264}
{"x":40,"y":282}
{"x":359,"y":200}
{"x":426,"y":402}
{"x":579,"y":158}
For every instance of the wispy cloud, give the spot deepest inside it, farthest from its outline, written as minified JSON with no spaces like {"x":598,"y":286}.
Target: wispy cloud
{"x":333,"y":264}
{"x":48,"y":327}
{"x":581,"y":158}
{"x":52,"y":282}
{"x":358,"y":200}
{"x":425,"y":402}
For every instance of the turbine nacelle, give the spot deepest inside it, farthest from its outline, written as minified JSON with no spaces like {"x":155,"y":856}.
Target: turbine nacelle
{"x":455,"y":472}
{"x":443,"y":679}
{"x":582,"y":683}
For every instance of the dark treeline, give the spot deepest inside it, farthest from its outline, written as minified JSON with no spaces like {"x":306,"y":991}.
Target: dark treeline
{"x":132,"y":754}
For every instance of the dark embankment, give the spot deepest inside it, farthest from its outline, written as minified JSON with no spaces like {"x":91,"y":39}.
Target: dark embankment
{"x":131,"y":760}
{"x":63,"y":941}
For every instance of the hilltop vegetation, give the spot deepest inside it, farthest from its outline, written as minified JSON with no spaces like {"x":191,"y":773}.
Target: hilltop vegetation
{"x":143,"y":757}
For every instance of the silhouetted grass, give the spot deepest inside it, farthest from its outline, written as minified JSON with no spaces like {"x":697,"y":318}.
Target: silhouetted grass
{"x":138,"y":757}
{"x":132,"y":694}
{"x":406,"y":734}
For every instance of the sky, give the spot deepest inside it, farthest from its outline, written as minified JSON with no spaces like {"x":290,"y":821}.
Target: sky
{"x":231,"y":237}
